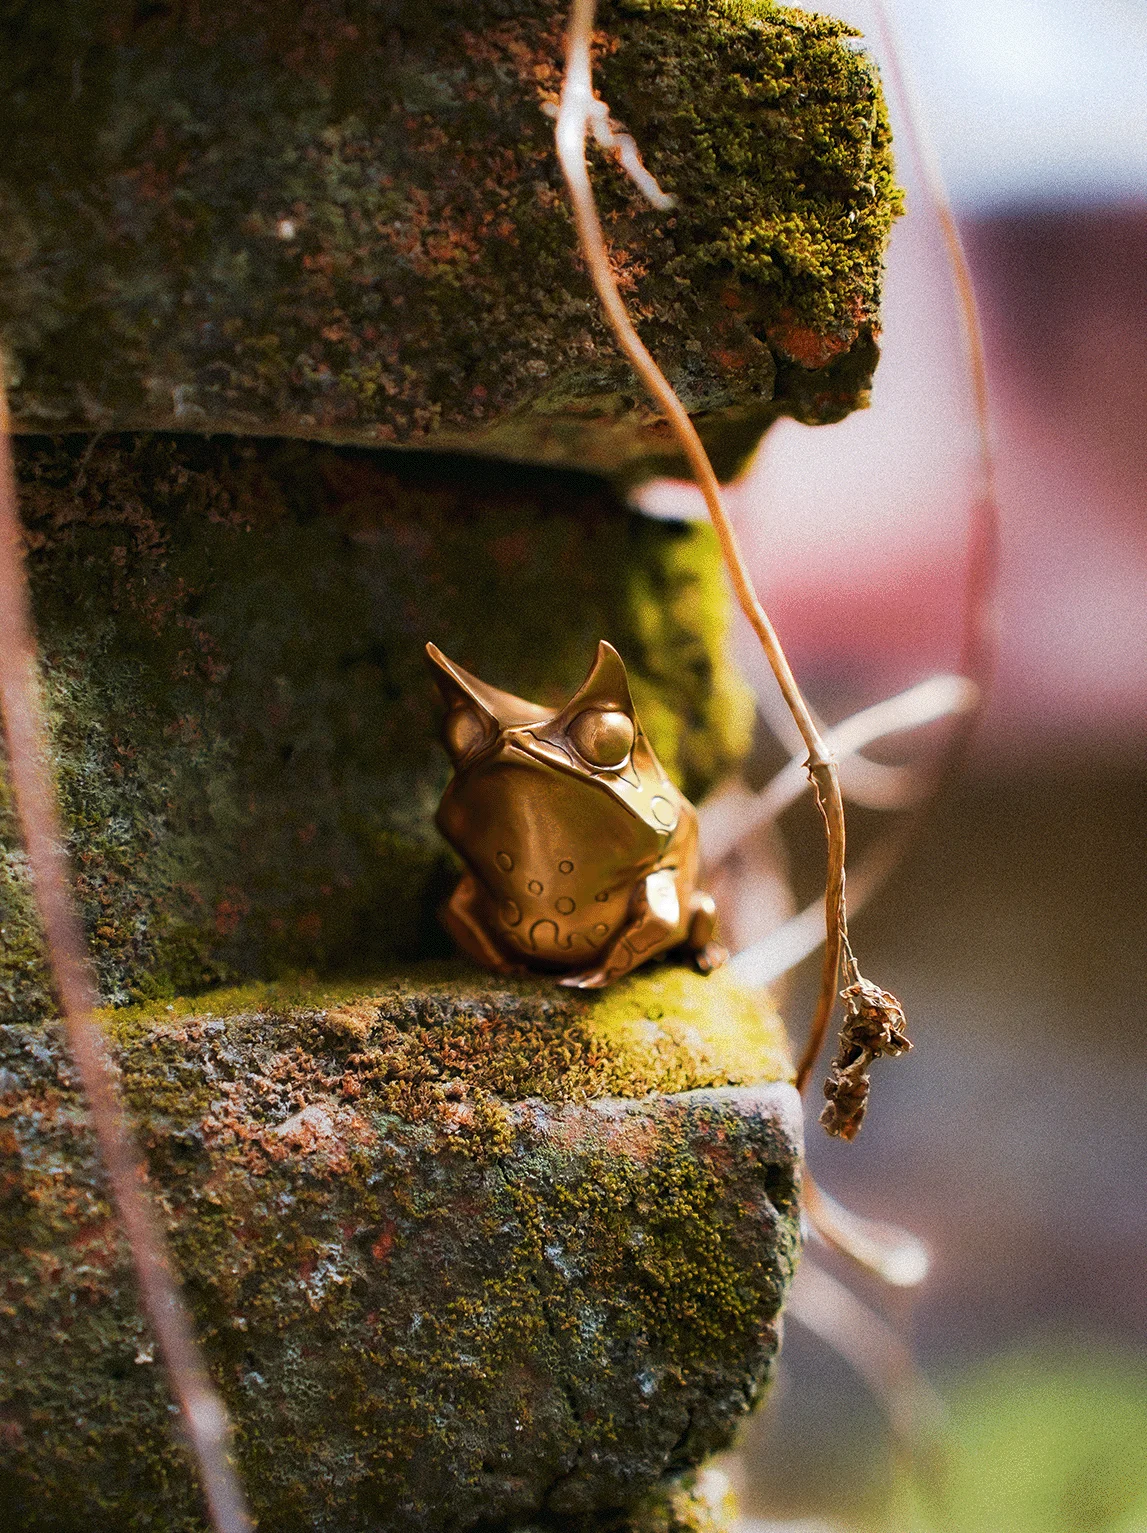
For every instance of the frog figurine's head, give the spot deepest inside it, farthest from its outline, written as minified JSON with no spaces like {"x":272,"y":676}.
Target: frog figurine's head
{"x":568,"y":823}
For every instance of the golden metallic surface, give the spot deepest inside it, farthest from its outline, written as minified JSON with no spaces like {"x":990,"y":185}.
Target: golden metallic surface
{"x":581,"y":853}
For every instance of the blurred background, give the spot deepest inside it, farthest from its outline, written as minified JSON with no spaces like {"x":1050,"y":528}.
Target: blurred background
{"x":1014,"y":1138}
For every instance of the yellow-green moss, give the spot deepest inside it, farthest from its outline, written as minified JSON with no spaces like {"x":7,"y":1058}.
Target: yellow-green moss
{"x":692,"y":1503}
{"x":678,"y":1030}
{"x":664,"y":1029}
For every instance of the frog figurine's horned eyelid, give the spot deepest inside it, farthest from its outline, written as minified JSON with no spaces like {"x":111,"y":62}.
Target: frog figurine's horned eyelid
{"x":460,"y":689}
{"x":582,"y":854}
{"x":599,"y":718}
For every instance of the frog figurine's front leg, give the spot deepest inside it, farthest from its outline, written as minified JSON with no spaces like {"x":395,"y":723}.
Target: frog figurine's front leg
{"x":659,"y":922}
{"x":708,"y":954}
{"x":462,"y":916}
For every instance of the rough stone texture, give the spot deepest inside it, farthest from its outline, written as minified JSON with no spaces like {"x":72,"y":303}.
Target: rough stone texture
{"x":447,"y":1277}
{"x":342,"y":220}
{"x":245,"y":727}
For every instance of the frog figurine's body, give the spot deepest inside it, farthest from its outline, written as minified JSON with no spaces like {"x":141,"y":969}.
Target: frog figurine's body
{"x":581,"y":853}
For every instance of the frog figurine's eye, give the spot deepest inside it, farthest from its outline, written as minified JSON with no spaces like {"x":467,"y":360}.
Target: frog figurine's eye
{"x":602,"y":736}
{"x":464,"y":732}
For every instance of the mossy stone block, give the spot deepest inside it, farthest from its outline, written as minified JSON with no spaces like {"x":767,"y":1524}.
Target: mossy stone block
{"x":343,"y":220}
{"x":462,"y":1254}
{"x":245,"y":729}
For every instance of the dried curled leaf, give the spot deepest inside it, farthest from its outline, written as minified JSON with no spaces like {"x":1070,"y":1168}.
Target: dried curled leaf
{"x":874,"y":1024}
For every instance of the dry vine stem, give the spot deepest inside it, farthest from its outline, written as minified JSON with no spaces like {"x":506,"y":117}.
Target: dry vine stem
{"x":579,"y":110}
{"x":204,"y":1415}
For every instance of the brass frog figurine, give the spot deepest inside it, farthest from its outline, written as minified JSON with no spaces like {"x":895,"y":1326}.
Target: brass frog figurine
{"x":582,"y":855}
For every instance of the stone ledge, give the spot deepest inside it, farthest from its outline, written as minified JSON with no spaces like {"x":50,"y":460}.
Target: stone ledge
{"x":481,"y":1309}
{"x":344,"y":221}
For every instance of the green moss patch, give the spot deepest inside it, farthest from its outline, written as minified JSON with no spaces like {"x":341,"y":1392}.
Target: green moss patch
{"x":437,"y":1033}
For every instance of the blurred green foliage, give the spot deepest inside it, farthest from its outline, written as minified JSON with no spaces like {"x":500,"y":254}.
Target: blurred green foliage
{"x":1044,"y":1441}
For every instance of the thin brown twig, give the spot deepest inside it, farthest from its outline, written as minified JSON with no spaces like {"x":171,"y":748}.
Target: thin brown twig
{"x":937,"y":698}
{"x":978,"y":637}
{"x":890,"y":1253}
{"x":204,"y":1415}
{"x":978,"y":641}
{"x":577,"y":110}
